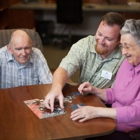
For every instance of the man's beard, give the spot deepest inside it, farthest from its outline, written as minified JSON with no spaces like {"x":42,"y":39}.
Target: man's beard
{"x":100,"y":50}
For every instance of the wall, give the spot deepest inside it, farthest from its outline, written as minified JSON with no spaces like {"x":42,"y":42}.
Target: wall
{"x":88,"y":27}
{"x":90,"y":19}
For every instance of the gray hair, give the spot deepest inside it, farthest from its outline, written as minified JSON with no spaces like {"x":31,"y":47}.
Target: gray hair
{"x":132,"y":26}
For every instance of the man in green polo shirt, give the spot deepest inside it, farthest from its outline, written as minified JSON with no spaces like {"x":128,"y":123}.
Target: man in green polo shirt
{"x":98,"y":58}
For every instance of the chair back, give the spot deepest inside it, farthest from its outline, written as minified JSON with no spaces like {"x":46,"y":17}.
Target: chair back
{"x":6,"y":33}
{"x":69,"y":11}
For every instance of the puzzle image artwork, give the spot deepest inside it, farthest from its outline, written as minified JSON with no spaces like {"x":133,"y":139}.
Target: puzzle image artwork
{"x":37,"y":106}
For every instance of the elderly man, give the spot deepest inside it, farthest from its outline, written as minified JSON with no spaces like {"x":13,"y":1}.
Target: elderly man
{"x":98,"y":58}
{"x":21,"y":64}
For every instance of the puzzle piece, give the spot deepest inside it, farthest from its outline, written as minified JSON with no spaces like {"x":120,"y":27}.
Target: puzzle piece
{"x":74,"y":94}
{"x":68,"y":99}
{"x":75,"y":106}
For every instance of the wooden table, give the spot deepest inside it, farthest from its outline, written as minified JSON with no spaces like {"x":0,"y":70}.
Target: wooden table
{"x":18,"y":122}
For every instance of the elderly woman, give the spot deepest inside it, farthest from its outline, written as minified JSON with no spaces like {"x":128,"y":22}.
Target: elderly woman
{"x":125,"y":95}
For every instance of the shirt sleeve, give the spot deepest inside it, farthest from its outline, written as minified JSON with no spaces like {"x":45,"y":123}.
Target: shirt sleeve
{"x":72,"y":61}
{"x":45,"y":75}
{"x":130,"y":113}
{"x":127,"y":113}
{"x":109,"y":96}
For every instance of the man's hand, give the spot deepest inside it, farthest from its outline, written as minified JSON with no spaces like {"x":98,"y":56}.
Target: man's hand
{"x":86,"y":88}
{"x":51,"y":97}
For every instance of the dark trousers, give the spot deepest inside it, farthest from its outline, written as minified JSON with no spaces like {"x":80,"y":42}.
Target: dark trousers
{"x":113,"y":136}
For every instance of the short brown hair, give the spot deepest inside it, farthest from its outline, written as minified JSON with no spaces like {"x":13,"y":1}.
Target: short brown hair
{"x":112,"y":18}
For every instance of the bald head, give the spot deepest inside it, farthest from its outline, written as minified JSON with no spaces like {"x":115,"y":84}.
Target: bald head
{"x":20,"y":46}
{"x":19,"y":36}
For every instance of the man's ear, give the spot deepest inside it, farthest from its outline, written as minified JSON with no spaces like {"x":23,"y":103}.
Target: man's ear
{"x":9,"y":49}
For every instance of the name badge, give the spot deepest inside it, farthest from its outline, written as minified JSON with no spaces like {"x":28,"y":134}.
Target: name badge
{"x":106,"y":74}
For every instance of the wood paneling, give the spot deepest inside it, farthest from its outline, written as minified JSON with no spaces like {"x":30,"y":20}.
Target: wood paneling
{"x":20,"y":18}
{"x":4,"y":12}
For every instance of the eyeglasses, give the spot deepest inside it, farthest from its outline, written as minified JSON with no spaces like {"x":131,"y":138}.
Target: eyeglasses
{"x":126,"y":47}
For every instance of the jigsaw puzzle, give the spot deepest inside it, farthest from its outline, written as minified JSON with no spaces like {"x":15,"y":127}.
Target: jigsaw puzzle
{"x":36,"y":105}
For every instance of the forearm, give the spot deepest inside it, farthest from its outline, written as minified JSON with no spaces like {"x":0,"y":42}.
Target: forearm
{"x":106,"y":112}
{"x":91,"y":112}
{"x":60,"y":77}
{"x":101,"y":93}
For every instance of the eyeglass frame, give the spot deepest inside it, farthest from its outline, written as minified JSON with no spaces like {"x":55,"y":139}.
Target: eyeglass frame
{"x":126,"y":47}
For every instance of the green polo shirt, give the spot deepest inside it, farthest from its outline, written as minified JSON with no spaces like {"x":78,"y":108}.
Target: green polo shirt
{"x":83,"y":56}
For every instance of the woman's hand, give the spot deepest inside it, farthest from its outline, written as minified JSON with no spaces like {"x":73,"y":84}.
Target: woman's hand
{"x":86,"y":88}
{"x":84,"y":113}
